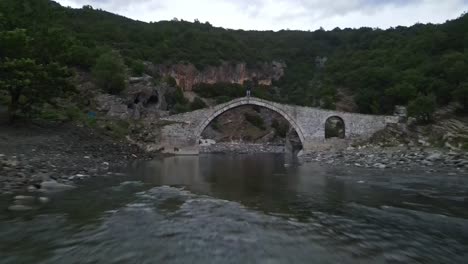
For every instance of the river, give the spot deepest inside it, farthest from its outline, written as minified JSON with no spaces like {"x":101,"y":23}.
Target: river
{"x":245,"y":209}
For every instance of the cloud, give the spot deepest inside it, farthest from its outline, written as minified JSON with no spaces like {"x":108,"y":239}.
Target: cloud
{"x":286,"y":14}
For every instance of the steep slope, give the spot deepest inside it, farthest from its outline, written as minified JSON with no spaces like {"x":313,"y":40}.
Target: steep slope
{"x":381,"y":68}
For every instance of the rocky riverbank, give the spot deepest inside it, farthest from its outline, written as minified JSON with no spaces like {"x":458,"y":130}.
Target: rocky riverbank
{"x":428,"y":159}
{"x":242,"y":148}
{"x":42,"y":158}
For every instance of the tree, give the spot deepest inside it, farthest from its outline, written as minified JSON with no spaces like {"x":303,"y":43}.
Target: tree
{"x":15,"y":44}
{"x":109,"y":73}
{"x":461,"y":95}
{"x":422,"y":108}
{"x":29,"y":84}
{"x":16,"y":77}
{"x":401,"y":93}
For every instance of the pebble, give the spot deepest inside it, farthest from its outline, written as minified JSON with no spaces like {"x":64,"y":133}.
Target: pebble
{"x":44,"y":200}
{"x":24,"y":198}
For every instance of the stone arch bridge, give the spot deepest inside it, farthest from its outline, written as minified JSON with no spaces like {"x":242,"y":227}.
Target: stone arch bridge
{"x":180,"y":134}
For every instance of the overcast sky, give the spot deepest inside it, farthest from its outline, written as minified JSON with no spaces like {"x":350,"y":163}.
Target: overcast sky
{"x":285,"y":14}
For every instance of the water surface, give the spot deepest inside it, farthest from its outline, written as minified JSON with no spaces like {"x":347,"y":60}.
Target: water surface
{"x":246,"y":209}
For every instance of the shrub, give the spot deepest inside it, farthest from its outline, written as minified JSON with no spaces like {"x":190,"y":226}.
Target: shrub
{"x":281,"y":128}
{"x":255,"y":120}
{"x":137,"y":67}
{"x":197,"y":104}
{"x":170,"y":81}
{"x":422,"y":108}
{"x":223,"y":99}
{"x":118,"y":129}
{"x":109,"y":73}
{"x":231,"y":90}
{"x":176,"y":97}
{"x":461,"y":95}
{"x":180,"y":108}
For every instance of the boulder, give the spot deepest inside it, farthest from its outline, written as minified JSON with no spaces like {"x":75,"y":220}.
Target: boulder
{"x":54,"y":186}
{"x":434,"y":156}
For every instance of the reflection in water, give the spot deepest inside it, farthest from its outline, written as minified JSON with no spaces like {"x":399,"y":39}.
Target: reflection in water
{"x":246,"y":209}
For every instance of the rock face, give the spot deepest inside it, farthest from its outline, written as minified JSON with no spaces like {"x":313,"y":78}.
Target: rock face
{"x":140,"y":99}
{"x":187,"y":75}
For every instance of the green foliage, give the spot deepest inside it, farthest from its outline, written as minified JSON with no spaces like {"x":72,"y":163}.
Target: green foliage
{"x":110,"y":73}
{"x":422,"y":108}
{"x":223,"y":99}
{"x":15,"y":44}
{"x":281,"y":128}
{"x":180,"y":108}
{"x":170,"y":81}
{"x":197,"y":104}
{"x":117,"y":129}
{"x":30,"y":84}
{"x":231,"y":90}
{"x":176,"y":101}
{"x":137,"y":67}
{"x":461,"y":95}
{"x":382,"y":68}
{"x":81,"y":56}
{"x":255,"y":120}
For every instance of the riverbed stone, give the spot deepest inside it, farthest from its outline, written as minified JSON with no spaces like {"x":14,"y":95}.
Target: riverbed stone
{"x":54,"y":186}
{"x":19,"y":208}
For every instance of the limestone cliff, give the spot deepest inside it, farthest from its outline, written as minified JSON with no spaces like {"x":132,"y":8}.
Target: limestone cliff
{"x":187,"y":75}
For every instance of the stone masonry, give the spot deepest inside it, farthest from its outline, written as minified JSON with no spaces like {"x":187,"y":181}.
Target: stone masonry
{"x":181,"y":133}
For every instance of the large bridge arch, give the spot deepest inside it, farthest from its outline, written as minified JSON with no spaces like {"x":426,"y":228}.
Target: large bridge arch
{"x":251,"y":101}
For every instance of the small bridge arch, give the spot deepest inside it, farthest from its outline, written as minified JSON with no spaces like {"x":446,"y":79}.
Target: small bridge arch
{"x":250,"y":101}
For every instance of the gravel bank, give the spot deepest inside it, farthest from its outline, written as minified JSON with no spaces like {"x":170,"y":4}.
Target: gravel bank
{"x":35,"y":157}
{"x":431,"y":160}
{"x":242,"y":148}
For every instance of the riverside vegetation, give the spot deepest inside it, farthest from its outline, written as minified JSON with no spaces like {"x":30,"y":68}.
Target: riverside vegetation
{"x":55,"y":60}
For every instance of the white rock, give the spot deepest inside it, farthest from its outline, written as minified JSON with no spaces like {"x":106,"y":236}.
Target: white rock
{"x":53,"y":186}
{"x":434,"y":156}
{"x":44,"y":200}
{"x":19,"y":207}
{"x":24,"y":198}
{"x":32,"y":188}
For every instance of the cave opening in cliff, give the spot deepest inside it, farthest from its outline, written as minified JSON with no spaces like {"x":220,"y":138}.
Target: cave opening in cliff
{"x":250,"y":124}
{"x":153,"y":100}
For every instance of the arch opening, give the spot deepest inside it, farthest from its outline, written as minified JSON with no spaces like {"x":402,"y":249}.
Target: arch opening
{"x":335,"y":127}
{"x":251,"y":123}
